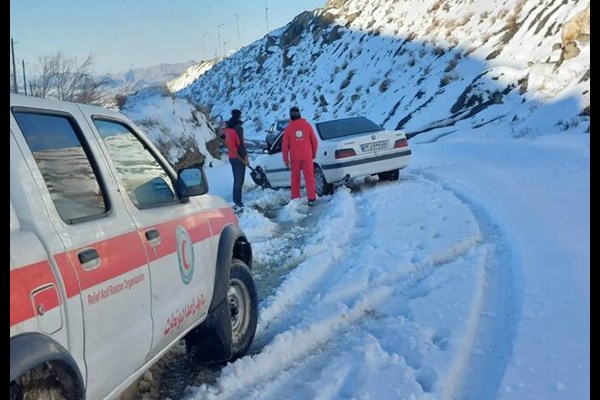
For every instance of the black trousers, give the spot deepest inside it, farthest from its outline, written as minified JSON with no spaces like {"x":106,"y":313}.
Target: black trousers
{"x":239,"y":173}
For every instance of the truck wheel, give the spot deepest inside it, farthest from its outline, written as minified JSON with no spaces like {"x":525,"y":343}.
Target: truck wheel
{"x":243,"y":304}
{"x":39,"y":384}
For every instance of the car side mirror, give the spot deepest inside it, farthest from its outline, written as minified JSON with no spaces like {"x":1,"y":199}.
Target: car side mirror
{"x":191,"y":182}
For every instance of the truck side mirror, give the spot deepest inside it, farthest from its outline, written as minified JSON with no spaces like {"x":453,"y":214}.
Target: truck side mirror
{"x":191,"y":182}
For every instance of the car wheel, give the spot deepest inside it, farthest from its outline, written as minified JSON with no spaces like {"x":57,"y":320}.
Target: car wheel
{"x":392,"y":175}
{"x":243,"y":305}
{"x":323,"y":188}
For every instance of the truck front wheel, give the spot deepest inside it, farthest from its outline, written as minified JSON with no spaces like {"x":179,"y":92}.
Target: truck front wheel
{"x":243,"y":305}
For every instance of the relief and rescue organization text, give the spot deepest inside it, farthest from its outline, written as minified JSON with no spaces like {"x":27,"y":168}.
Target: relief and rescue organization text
{"x":180,"y":315}
{"x":111,"y":289}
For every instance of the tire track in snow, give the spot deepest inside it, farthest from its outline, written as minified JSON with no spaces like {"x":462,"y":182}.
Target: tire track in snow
{"x":481,"y":370}
{"x":340,"y":305}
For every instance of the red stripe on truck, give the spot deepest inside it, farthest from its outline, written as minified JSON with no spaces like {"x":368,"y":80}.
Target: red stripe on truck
{"x":68,"y":274}
{"x":119,"y":255}
{"x":23,"y":281}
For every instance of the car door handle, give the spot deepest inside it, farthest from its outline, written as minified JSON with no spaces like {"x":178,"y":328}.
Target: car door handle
{"x":153,"y":237}
{"x":89,"y":258}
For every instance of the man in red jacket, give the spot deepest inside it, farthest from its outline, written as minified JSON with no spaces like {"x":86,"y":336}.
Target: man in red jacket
{"x":299,"y":149}
{"x":238,"y":155}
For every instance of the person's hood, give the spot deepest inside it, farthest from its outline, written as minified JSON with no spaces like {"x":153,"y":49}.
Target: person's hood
{"x":232,"y":123}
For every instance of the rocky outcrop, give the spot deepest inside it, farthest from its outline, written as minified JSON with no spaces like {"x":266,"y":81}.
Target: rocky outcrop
{"x":577,"y":28}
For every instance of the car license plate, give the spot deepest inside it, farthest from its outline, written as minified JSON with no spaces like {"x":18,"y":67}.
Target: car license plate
{"x":382,"y":144}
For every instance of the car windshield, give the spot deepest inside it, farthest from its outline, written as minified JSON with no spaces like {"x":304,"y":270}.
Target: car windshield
{"x":282,"y":124}
{"x":346,"y":127}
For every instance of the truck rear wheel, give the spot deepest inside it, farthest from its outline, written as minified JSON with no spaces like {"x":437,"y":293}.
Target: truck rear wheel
{"x":41,"y":383}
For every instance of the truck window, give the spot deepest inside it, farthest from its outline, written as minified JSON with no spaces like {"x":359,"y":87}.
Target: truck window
{"x":145,"y":180}
{"x":63,"y":158}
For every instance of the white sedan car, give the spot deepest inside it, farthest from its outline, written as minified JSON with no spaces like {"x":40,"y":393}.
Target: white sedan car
{"x":348,"y":148}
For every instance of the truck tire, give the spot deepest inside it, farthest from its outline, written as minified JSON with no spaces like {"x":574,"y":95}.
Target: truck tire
{"x":243,"y":304}
{"x":41,"y":383}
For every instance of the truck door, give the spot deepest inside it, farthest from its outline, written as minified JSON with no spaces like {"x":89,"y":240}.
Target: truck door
{"x":102,"y":244}
{"x":176,"y":235}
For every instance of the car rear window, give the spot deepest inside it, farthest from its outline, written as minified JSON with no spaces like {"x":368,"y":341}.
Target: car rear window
{"x":346,"y":127}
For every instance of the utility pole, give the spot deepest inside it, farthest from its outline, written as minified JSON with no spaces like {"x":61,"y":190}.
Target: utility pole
{"x":204,"y":45}
{"x":219,"y":37}
{"x":24,"y":79}
{"x":12,"y":50}
{"x":267,"y":15}
{"x":237,"y":23}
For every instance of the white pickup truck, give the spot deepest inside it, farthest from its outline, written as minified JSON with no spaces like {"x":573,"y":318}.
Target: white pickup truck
{"x":114,"y":256}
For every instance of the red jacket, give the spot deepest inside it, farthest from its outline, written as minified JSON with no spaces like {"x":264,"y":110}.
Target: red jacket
{"x":299,"y":142}
{"x":233,"y":142}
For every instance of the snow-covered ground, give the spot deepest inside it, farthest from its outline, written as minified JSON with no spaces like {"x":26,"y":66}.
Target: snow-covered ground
{"x":467,"y":279}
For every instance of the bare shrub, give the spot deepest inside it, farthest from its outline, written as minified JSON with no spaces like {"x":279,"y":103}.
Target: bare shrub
{"x":348,"y":79}
{"x":520,"y":132}
{"x":451,"y":65}
{"x":149,"y":122}
{"x":447,"y":78}
{"x":435,"y":23}
{"x":470,"y":50}
{"x":64,"y":78}
{"x":438,"y":51}
{"x":435,"y":6}
{"x":567,"y":124}
{"x":465,"y":19}
{"x":384,"y":85}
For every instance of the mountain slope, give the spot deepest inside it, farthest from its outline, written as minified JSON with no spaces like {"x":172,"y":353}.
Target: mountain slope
{"x":410,"y":64}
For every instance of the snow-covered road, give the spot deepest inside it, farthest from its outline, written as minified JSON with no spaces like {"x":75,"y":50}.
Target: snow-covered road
{"x":352,"y":316}
{"x":467,"y":279}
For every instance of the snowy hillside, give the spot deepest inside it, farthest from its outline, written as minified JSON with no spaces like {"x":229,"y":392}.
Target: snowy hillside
{"x":180,"y":131}
{"x":189,"y":75}
{"x":412,"y":65}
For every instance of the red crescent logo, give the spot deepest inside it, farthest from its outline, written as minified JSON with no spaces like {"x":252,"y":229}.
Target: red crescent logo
{"x":186,"y":264}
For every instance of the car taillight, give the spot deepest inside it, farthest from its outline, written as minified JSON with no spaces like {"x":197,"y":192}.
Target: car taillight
{"x":400,"y":143}
{"x":344,"y":153}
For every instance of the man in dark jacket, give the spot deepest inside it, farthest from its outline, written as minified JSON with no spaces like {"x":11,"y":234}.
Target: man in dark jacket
{"x":299,"y":149}
{"x":238,"y":156}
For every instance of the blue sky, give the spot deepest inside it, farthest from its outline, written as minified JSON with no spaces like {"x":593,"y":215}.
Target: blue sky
{"x":124,"y":33}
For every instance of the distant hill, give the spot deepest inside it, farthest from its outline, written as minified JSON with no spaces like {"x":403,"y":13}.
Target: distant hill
{"x":148,"y":76}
